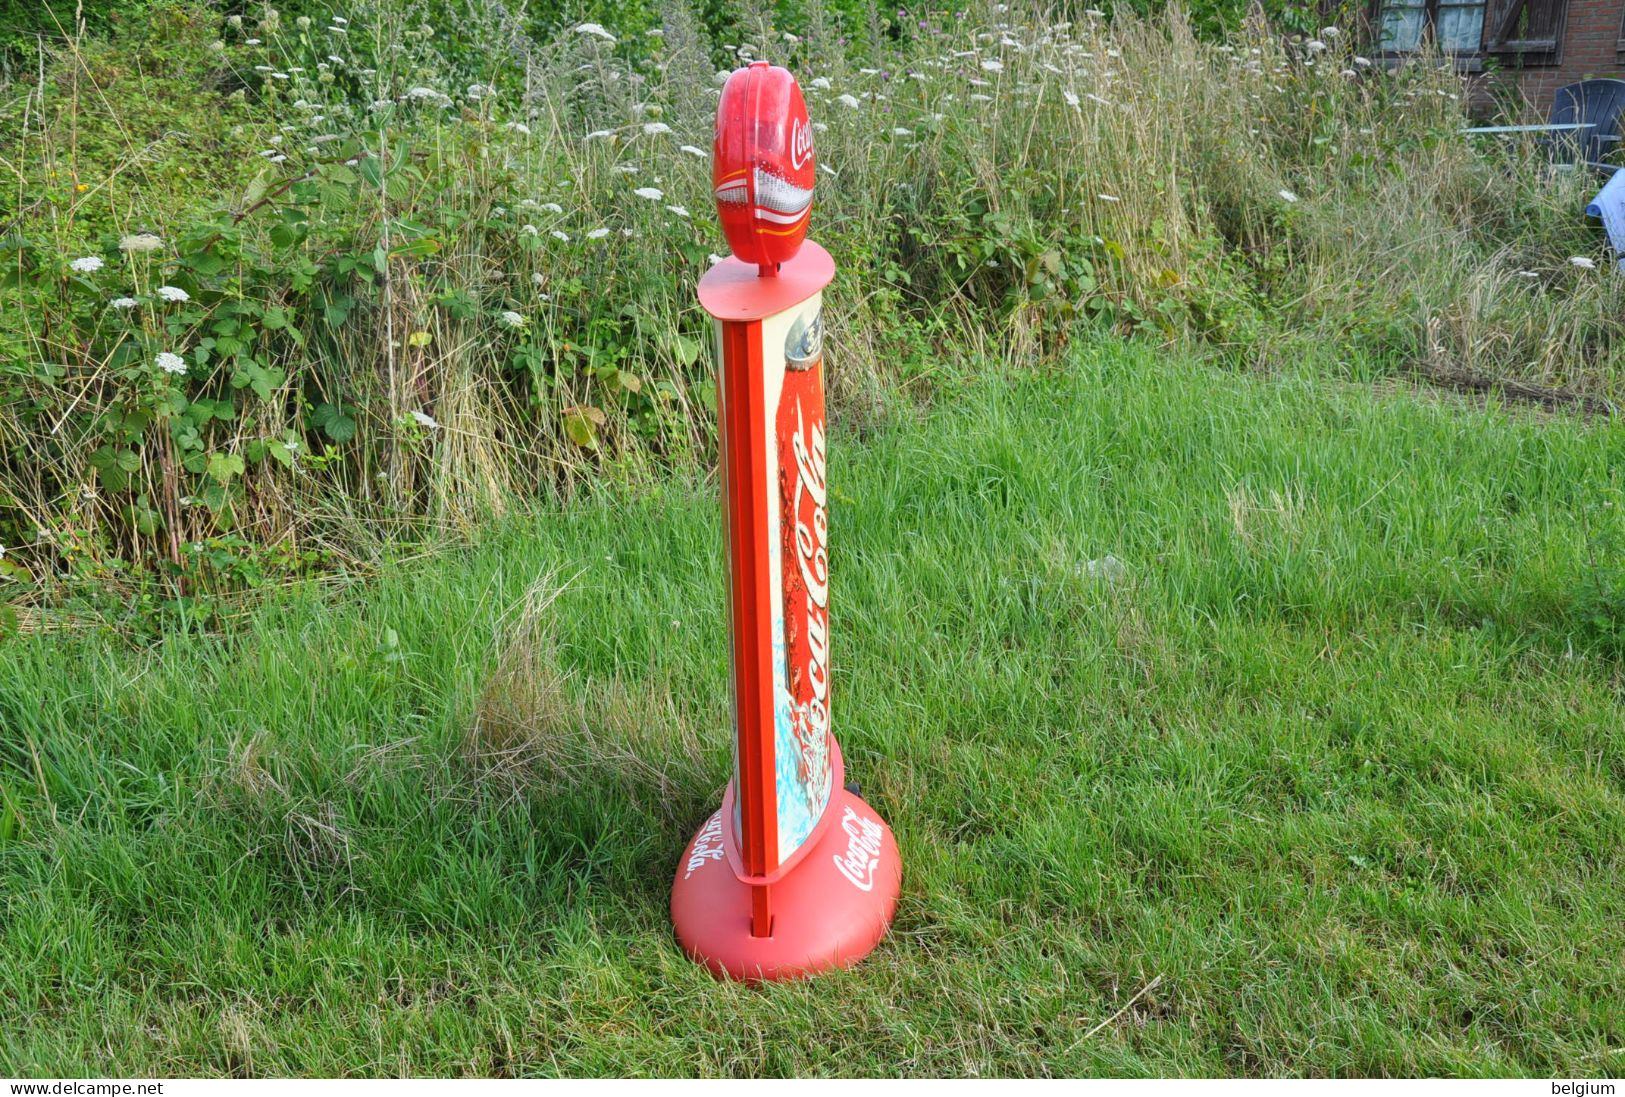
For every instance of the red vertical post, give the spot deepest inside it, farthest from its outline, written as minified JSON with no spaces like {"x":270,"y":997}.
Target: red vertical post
{"x":745,"y":501}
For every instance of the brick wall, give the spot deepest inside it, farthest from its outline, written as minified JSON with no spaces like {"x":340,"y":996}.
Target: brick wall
{"x":1590,"y":46}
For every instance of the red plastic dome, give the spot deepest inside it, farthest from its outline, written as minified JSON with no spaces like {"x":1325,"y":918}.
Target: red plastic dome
{"x":762,"y":165}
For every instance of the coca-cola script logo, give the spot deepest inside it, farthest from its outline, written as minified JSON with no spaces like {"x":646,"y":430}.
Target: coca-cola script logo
{"x":800,"y":144}
{"x":862,"y":857}
{"x":707,"y":846}
{"x":812,"y":559}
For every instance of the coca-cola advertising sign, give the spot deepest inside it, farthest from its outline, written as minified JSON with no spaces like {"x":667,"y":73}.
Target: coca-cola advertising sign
{"x":798,"y":549}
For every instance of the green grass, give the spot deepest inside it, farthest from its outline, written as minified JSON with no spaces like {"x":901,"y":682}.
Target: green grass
{"x":1338,"y":767}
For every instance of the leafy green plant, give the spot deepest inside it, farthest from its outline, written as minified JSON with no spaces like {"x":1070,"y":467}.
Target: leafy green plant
{"x":434,"y":259}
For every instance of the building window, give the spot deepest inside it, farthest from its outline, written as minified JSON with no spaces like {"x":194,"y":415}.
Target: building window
{"x":1527,"y":29}
{"x":1458,"y":25}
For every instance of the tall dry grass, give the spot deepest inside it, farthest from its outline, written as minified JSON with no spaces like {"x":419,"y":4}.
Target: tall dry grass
{"x":991,"y":186}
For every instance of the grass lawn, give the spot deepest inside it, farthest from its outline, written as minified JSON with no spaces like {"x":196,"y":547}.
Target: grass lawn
{"x":1330,"y":780}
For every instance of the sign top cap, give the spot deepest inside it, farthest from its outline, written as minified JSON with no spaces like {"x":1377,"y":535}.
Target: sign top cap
{"x":763,"y":166}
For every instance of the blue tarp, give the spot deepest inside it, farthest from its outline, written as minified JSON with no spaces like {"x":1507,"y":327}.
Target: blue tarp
{"x":1609,"y":205}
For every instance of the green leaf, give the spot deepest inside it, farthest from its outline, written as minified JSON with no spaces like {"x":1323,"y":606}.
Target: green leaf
{"x":205,"y":263}
{"x":581,"y":425}
{"x":223,"y":466}
{"x":339,"y":427}
{"x":339,"y":173}
{"x":280,"y":452}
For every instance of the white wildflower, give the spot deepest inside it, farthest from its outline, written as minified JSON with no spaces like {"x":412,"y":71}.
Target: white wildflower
{"x":141,"y":241}
{"x":902,"y":131}
{"x":990,"y":65}
{"x":171,"y":363}
{"x":425,"y":420}
{"x":1286,"y":195}
{"x":821,"y":83}
{"x":596,"y":134}
{"x":653,"y":194}
{"x":1582,"y":262}
{"x":713,"y":259}
{"x":1071,"y":98}
{"x":550,"y":207}
{"x":173,"y":293}
{"x":654,"y":129}
{"x":123,"y":302}
{"x":1108,"y":198}
{"x":1315,"y":45}
{"x":560,"y":234}
{"x":88,"y":264}
{"x":1363,"y":62}
{"x":1330,"y":32}
{"x":848,"y":100}
{"x":513,"y":319}
{"x":519,"y":127}
{"x":679,"y":211}
{"x":597,"y":234}
{"x":529,"y":230}
{"x":596,"y":31}
{"x":693,"y":150}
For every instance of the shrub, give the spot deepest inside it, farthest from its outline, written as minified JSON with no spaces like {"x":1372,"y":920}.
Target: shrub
{"x":428,"y":271}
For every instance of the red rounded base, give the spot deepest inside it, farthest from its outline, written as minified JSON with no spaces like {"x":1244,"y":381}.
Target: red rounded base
{"x":829,"y":910}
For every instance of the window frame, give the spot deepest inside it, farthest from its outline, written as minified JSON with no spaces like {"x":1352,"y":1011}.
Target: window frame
{"x":1471,"y":59}
{"x":1520,"y":52}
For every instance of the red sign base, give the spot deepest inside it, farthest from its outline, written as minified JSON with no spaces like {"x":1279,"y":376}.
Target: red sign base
{"x":829,"y":912}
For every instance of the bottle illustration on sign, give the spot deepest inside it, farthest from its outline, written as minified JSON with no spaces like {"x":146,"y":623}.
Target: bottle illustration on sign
{"x":813,"y":873}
